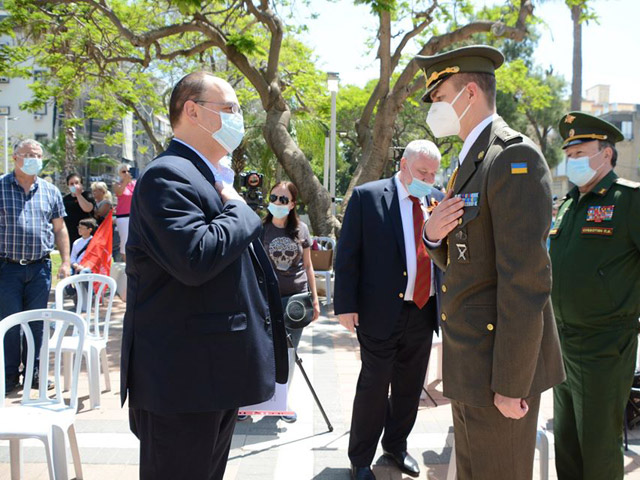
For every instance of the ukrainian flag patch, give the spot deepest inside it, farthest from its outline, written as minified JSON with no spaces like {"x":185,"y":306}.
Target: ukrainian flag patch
{"x":519,"y":168}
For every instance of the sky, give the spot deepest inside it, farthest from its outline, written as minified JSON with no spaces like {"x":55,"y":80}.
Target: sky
{"x":609,"y":47}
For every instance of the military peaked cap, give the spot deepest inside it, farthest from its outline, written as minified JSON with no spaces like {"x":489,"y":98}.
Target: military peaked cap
{"x":579,"y":127}
{"x":471,"y":59}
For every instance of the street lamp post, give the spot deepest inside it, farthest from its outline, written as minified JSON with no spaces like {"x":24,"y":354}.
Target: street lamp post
{"x":6,"y":141}
{"x":332,"y":84}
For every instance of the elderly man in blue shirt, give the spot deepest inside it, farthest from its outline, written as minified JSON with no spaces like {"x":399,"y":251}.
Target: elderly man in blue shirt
{"x":31,"y":219}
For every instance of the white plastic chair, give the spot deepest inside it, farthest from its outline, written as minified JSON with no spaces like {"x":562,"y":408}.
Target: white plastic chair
{"x":49,"y":420}
{"x":96,"y":326}
{"x":326,"y":243}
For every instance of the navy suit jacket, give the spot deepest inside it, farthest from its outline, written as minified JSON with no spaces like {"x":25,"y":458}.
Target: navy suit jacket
{"x":203,"y":329}
{"x":371,"y":265}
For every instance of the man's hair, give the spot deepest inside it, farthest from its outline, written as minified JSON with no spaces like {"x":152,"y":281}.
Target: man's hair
{"x":421,"y":147}
{"x":190,"y":87}
{"x":28,"y":142}
{"x":602,"y":144}
{"x":486,"y":82}
{"x":90,"y":223}
{"x":71,"y":175}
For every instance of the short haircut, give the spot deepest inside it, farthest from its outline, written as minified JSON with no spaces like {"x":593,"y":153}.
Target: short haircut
{"x":90,"y":223}
{"x":190,"y":87}
{"x":71,"y":175}
{"x":28,"y":142}
{"x":421,"y":147}
{"x":486,"y":82}
{"x":123,"y":166}
{"x":602,"y":144}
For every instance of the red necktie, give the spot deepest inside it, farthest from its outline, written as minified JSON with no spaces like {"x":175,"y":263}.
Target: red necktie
{"x":422,"y":287}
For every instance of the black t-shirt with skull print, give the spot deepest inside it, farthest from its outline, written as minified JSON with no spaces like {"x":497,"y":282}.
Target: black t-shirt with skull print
{"x":286,"y":257}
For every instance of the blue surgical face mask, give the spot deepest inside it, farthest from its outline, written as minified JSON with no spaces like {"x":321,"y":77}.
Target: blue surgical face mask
{"x":278,"y":211}
{"x":579,"y":171}
{"x":72,"y":189}
{"x":31,"y":166}
{"x":418,"y":188}
{"x":231,"y":129}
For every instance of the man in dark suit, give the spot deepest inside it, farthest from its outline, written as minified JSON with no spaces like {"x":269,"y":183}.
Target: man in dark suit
{"x":203,"y":330}
{"x":385,"y":289}
{"x":500,"y":343}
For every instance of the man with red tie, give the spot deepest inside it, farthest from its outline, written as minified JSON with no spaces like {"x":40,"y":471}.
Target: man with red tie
{"x":386,"y":291}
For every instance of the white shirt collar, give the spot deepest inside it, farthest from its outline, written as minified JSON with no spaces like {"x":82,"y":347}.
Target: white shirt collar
{"x":204,"y":159}
{"x":473,"y":136}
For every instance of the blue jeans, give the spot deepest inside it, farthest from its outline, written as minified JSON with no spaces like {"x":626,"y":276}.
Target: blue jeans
{"x":22,"y":287}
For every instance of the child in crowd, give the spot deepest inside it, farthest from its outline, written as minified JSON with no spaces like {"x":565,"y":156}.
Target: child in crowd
{"x":86,"y":229}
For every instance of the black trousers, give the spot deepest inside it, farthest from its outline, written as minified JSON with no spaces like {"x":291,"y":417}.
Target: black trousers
{"x":193,"y":446}
{"x":400,"y":361}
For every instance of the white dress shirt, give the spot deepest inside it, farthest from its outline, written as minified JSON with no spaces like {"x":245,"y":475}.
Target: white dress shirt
{"x":222,"y":173}
{"x":406,"y":213}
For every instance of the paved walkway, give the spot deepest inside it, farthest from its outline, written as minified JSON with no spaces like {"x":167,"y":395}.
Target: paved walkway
{"x":266,"y":448}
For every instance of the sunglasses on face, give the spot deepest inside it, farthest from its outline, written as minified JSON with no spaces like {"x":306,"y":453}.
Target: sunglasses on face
{"x":283,"y":200}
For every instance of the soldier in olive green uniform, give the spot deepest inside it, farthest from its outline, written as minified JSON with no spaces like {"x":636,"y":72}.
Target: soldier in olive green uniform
{"x":595,"y":253}
{"x":488,"y":235}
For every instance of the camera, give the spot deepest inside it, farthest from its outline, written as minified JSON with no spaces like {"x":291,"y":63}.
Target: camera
{"x":250,"y":183}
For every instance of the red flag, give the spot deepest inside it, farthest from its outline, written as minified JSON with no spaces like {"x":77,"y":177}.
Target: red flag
{"x":97,"y":256}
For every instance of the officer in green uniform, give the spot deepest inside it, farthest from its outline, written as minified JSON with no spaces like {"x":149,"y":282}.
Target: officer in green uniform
{"x":595,"y":254}
{"x":488,"y":235}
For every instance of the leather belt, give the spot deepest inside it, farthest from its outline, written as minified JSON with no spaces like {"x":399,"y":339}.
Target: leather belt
{"x":24,"y":261}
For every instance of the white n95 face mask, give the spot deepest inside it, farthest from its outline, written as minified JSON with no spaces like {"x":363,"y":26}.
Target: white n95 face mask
{"x":442,"y":118}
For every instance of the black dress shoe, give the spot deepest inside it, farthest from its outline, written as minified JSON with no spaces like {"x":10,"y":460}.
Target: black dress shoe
{"x":405,"y":462}
{"x":362,"y":473}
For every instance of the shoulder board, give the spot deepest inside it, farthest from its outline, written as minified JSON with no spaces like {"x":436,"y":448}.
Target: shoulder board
{"x":627,"y":183}
{"x":509,"y":136}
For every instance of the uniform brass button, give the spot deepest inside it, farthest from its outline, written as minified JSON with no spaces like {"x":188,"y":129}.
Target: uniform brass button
{"x":490,"y":327}
{"x":460,"y":221}
{"x":444,"y":289}
{"x":404,"y":273}
{"x":443,"y":317}
{"x":401,"y":295}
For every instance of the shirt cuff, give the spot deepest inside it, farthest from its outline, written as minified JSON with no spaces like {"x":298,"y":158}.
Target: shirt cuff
{"x":429,"y":243}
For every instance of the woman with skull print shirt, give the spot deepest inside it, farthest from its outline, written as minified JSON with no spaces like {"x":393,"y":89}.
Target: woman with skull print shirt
{"x":287,"y":242}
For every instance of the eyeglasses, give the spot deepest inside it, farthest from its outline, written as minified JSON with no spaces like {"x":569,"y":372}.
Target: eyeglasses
{"x":235,"y":108}
{"x":283,"y":200}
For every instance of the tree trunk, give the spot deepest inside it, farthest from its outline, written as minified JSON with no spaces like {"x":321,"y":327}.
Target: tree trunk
{"x":576,"y":82}
{"x":298,"y":168}
{"x":70,"y":154}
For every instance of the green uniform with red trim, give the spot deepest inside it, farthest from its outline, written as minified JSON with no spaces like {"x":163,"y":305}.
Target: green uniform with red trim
{"x":595,"y":255}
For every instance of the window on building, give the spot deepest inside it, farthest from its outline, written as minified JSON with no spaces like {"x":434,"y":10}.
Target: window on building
{"x":5,"y":110}
{"x":40,"y":137}
{"x":4,"y":79}
{"x":626,"y":128}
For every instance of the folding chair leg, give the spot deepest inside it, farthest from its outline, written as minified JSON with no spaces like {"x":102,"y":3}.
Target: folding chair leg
{"x":59,"y":454}
{"x":93,"y":368}
{"x":48,"y":442}
{"x":67,"y":362}
{"x":105,"y":369}
{"x":15,"y":452}
{"x":75,"y":452}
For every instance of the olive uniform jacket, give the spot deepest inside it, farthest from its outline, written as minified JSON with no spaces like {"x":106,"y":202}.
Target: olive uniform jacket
{"x":499,"y":333}
{"x":595,"y":247}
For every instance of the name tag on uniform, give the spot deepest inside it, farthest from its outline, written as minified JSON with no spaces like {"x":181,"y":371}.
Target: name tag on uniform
{"x":597,"y":231}
{"x":600,"y":214}
{"x":470,"y":199}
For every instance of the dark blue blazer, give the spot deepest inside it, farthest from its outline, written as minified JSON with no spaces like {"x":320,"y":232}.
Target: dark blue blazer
{"x":371,"y":265}
{"x":203,"y":329}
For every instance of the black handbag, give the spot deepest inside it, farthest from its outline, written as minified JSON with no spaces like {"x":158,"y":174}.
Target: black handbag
{"x":299,"y":310}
